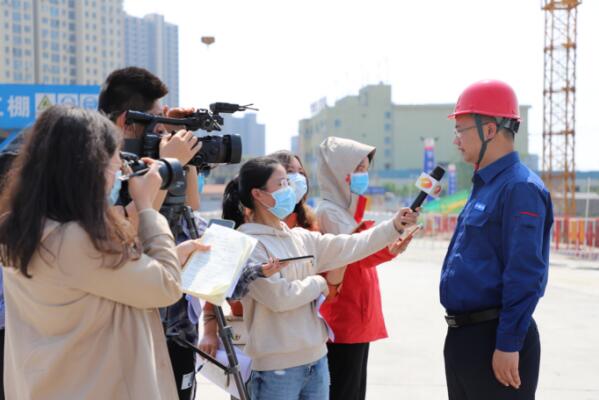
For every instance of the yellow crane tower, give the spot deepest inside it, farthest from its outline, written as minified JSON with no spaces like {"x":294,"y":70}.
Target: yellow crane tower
{"x":559,"y":100}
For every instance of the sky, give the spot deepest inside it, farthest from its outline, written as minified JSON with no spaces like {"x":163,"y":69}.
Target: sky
{"x":284,"y":55}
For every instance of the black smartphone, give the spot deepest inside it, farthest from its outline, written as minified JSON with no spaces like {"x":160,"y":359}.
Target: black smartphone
{"x":224,"y":222}
{"x":295,"y":258}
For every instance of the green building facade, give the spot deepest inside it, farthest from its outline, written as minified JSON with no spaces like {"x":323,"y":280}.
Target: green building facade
{"x":397,"y":131}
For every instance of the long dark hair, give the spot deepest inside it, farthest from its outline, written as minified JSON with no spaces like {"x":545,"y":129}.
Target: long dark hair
{"x":305,"y":217}
{"x":254,"y":173}
{"x":59,"y":174}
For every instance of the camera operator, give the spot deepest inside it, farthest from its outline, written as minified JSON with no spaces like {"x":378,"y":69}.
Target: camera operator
{"x":82,"y":287}
{"x":134,"y":88}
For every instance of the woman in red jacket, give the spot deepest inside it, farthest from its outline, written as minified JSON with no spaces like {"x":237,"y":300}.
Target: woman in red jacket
{"x":353,"y":308}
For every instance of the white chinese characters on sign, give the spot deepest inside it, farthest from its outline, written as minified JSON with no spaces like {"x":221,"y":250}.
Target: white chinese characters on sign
{"x":18,"y":107}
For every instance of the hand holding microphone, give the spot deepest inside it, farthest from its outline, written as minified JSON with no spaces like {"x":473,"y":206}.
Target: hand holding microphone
{"x":428,"y":185}
{"x":405,"y":218}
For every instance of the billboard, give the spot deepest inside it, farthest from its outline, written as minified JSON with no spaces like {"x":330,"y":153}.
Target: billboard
{"x":429,"y":155}
{"x":20,"y":104}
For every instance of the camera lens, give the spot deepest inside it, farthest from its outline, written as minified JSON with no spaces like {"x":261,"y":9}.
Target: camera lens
{"x":171,"y":172}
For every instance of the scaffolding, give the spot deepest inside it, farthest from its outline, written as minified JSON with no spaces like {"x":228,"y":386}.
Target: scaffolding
{"x":559,"y":100}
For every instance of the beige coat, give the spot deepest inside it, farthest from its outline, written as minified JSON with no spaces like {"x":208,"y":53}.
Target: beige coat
{"x":279,"y":312}
{"x":80,"y":330}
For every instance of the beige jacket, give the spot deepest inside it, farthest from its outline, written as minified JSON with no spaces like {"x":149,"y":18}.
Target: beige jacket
{"x":80,"y":330}
{"x":279,"y":312}
{"x":338,"y":157}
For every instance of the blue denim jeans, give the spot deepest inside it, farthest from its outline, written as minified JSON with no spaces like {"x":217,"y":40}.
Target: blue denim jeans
{"x":306,"y":382}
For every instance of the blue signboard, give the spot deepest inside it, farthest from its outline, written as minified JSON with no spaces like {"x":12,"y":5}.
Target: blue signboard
{"x":429,"y":155}
{"x":21,"y":104}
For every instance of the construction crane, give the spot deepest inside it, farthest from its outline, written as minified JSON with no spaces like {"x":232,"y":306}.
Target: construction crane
{"x":559,"y":100}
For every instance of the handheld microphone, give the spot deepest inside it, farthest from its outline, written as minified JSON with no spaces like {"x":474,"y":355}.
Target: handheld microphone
{"x":429,"y":185}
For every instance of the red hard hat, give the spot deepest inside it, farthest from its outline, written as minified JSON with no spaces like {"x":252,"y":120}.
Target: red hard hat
{"x":488,"y":97}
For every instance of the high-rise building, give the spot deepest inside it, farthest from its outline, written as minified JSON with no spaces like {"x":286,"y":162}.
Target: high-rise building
{"x":152,"y":43}
{"x":60,"y":42}
{"x":295,"y":144}
{"x":398,"y":131}
{"x":253,"y":134}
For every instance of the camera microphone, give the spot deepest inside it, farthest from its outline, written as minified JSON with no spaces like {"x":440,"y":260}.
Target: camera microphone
{"x":429,"y":185}
{"x":230,"y":108}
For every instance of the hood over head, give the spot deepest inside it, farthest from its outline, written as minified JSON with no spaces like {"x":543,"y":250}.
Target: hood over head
{"x":338,"y":157}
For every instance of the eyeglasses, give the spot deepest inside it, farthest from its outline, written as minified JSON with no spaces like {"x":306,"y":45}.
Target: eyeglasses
{"x":284,"y":182}
{"x":458,"y":132}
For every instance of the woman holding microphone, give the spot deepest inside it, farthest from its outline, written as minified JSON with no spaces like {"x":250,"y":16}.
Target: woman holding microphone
{"x":82,"y":288}
{"x":353,"y":308}
{"x":286,"y":337}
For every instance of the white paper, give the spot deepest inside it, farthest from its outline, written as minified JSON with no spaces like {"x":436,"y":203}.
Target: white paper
{"x":213,"y":275}
{"x":319,"y":302}
{"x":217,"y":376}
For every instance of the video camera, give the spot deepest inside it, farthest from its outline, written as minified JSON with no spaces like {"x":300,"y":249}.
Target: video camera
{"x":225,"y":149}
{"x":170,"y":170}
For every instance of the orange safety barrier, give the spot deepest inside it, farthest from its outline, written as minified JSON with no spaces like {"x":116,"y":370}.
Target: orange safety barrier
{"x":571,"y":233}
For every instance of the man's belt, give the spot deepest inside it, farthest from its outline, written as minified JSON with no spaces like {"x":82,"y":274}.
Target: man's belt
{"x":458,"y":320}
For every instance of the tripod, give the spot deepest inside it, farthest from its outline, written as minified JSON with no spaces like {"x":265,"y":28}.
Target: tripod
{"x":175,"y":210}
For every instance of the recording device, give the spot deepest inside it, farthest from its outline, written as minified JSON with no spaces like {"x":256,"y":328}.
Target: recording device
{"x":227,"y":223}
{"x":170,"y":170}
{"x":429,"y":185}
{"x":225,"y":149}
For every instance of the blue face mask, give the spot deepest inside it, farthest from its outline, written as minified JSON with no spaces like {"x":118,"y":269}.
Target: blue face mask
{"x":299,"y":184}
{"x":284,"y":202}
{"x":358,"y":182}
{"x":113,"y":196}
{"x":201,"y":181}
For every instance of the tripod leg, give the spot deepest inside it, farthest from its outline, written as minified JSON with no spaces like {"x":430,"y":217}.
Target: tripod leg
{"x":225,"y":335}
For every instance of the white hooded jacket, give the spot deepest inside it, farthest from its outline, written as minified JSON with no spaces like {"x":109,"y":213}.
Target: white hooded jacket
{"x":338,"y":157}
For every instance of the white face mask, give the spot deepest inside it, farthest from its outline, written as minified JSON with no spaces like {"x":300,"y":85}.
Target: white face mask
{"x":299,"y":184}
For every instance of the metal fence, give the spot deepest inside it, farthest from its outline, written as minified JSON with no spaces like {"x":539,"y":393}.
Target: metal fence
{"x":576,"y":236}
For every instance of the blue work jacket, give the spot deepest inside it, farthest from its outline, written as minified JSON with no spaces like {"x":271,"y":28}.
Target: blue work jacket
{"x":499,"y":253}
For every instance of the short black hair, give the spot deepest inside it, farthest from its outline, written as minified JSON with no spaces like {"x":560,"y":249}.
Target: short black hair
{"x":508,"y":133}
{"x":130,"y":88}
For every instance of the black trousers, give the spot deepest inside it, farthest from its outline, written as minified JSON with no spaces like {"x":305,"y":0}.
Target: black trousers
{"x":347,"y":366}
{"x":183,"y":362}
{"x":468,"y":356}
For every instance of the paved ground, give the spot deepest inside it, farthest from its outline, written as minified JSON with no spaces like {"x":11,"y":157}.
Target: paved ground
{"x":409,"y":365}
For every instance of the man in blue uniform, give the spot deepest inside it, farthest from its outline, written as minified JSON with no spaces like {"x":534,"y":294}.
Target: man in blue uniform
{"x":496,"y":266}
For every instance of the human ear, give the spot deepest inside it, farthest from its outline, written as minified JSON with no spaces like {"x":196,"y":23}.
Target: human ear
{"x":491,"y":131}
{"x":120,"y":120}
{"x":256,"y":193}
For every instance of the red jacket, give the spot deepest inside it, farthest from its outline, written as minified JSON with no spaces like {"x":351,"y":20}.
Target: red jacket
{"x":355,"y":314}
